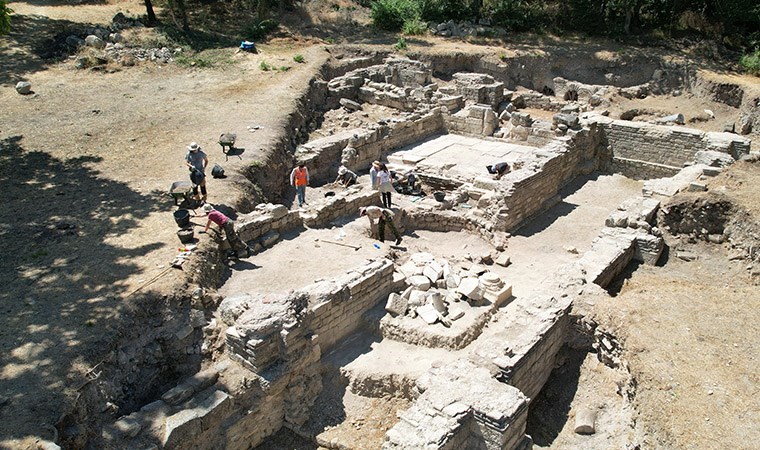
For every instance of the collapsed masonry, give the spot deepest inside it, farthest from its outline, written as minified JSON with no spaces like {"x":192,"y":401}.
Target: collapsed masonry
{"x":446,"y":133}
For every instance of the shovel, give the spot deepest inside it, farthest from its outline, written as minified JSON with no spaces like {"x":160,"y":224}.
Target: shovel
{"x":355,"y":247}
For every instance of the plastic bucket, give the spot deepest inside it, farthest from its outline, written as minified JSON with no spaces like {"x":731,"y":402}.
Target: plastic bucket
{"x":182,"y":217}
{"x":439,"y":196}
{"x":186,"y":235}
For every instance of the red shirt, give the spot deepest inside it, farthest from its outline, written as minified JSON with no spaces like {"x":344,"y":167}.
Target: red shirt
{"x":218,"y":218}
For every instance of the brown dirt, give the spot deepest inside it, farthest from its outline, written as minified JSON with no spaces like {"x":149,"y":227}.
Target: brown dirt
{"x":86,"y":162}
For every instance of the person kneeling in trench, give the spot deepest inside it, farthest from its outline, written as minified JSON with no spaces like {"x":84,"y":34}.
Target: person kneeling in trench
{"x":228,"y":225}
{"x":498,"y":169}
{"x":384,"y":217}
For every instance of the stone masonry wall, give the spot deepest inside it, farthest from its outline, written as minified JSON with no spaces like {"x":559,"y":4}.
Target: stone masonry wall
{"x":639,"y":170}
{"x":338,"y":304}
{"x":668,"y":146}
{"x":534,"y":191}
{"x":323,"y":156}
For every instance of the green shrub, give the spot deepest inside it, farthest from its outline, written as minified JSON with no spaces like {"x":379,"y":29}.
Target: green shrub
{"x":400,"y":44}
{"x":264,"y":66}
{"x":517,"y":15}
{"x":259,"y":30}
{"x":284,"y":68}
{"x":445,"y":10}
{"x":5,"y":18}
{"x":299,"y":59}
{"x":751,"y":62}
{"x":393,"y":14}
{"x":414,"y":27}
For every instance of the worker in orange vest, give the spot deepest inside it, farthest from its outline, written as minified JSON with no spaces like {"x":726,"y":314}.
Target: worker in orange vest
{"x":299,"y":178}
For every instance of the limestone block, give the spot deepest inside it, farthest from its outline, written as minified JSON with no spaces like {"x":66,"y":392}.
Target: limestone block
{"x":270,"y":238}
{"x":436,"y":299}
{"x":407,"y":292}
{"x":420,"y":282}
{"x":128,"y":426}
{"x":470,"y":288}
{"x":433,"y":271}
{"x":396,"y":304}
{"x":416,"y":298}
{"x":585,"y":421}
{"x":278,"y":211}
{"x":502,"y":260}
{"x":178,"y":394}
{"x":617,"y":219}
{"x":428,"y":313}
{"x":181,"y":428}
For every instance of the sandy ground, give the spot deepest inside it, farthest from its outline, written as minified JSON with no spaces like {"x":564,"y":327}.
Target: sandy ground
{"x":85,"y":164}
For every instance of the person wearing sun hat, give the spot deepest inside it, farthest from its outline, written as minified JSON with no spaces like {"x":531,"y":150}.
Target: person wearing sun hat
{"x":345,"y":177}
{"x":228,"y":225}
{"x":384,"y":217}
{"x":196,"y":160}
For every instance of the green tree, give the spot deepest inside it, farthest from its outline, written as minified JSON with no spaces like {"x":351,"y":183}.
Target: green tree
{"x":5,"y":18}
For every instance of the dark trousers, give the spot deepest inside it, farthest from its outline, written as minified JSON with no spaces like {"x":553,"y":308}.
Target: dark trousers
{"x":235,"y":242}
{"x":382,"y":222}
{"x":386,"y":199}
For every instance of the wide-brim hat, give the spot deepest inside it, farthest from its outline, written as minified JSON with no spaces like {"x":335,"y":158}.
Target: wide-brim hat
{"x":342,"y":170}
{"x":208,"y":208}
{"x":193,"y":146}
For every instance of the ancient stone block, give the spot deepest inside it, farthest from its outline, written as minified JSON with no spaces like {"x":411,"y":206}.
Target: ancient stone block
{"x":585,"y":421}
{"x":396,"y":304}
{"x":470,"y":288}
{"x":420,"y":282}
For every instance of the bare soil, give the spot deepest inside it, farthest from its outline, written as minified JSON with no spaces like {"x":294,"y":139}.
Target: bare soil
{"x":85,"y":165}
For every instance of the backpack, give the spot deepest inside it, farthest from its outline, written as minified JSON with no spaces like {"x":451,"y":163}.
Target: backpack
{"x":217,"y":171}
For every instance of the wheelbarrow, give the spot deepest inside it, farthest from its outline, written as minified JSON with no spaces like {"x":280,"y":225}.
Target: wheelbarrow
{"x":227,"y":141}
{"x":181,"y":191}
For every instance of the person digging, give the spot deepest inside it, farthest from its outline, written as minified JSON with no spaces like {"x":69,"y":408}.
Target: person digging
{"x":498,"y":169}
{"x":228,"y":225}
{"x":196,"y":160}
{"x":384,"y":217}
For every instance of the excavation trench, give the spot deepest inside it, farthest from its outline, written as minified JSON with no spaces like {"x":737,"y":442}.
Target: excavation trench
{"x":327,"y":333}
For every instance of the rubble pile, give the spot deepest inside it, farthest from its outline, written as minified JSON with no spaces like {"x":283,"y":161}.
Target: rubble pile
{"x":435,"y":290}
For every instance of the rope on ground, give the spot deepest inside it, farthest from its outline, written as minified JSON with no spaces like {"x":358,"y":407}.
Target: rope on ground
{"x":162,"y":273}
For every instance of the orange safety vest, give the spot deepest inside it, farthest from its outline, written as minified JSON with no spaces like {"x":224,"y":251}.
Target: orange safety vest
{"x":300,"y":177}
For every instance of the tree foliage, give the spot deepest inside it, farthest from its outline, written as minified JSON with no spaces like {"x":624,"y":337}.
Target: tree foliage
{"x":5,"y":18}
{"x":713,"y":18}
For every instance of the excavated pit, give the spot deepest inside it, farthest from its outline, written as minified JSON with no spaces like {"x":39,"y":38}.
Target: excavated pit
{"x":309,"y":352}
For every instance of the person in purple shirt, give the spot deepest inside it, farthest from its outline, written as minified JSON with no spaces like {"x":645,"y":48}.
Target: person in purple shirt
{"x":228,"y":225}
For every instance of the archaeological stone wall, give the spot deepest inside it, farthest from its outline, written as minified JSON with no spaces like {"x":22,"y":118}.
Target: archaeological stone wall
{"x":534,"y":191}
{"x":324,"y":156}
{"x":656,"y":147}
{"x":339,"y":304}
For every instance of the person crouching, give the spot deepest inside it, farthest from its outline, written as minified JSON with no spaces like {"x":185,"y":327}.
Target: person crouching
{"x":384,"y":217}
{"x":228,"y":225}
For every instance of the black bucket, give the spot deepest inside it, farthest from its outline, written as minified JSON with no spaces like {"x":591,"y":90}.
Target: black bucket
{"x":439,"y":196}
{"x":182,"y":217}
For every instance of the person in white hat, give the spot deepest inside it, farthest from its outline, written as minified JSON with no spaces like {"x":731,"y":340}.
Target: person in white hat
{"x":228,"y":225}
{"x":196,"y":160}
{"x":384,"y":216}
{"x":345,"y":177}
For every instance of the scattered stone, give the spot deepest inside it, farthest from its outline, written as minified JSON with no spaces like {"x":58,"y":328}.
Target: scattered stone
{"x":629,"y":115}
{"x":687,"y":256}
{"x":571,"y":249}
{"x":696,"y":187}
{"x":350,"y":104}
{"x":503,"y":260}
{"x":428,"y":313}
{"x":94,"y":41}
{"x":470,"y":288}
{"x":419,"y":282}
{"x":585,"y":421}
{"x":673,"y":118}
{"x":569,"y":120}
{"x":396,"y":304}
{"x":24,"y":87}
{"x":745,"y":124}
{"x":729,"y":127}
